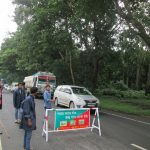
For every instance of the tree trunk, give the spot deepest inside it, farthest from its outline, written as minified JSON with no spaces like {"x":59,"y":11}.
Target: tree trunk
{"x":148,"y":76}
{"x":127,"y":79}
{"x":71,"y":70}
{"x":137,"y":77}
{"x":95,"y":74}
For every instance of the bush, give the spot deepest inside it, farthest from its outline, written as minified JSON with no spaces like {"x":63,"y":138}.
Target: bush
{"x":133,"y":94}
{"x":119,"y":85}
{"x":125,"y":94}
{"x":108,"y":92}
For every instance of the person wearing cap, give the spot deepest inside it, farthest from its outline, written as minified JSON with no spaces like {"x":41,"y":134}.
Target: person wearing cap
{"x":18,"y":97}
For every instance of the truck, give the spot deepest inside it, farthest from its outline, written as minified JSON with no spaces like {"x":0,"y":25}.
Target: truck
{"x":39,"y":80}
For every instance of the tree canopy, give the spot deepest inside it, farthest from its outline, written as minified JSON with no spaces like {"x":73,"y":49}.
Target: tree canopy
{"x":83,"y":42}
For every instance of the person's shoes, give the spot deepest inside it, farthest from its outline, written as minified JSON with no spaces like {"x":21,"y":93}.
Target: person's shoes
{"x":30,"y":148}
{"x":16,"y":121}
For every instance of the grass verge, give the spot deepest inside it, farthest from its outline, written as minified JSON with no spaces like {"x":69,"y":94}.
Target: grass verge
{"x":129,"y":106}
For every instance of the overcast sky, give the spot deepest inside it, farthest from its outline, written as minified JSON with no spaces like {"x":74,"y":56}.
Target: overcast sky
{"x":6,"y":19}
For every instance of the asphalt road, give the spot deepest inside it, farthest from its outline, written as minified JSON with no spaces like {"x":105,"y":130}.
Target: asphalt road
{"x":118,"y":133}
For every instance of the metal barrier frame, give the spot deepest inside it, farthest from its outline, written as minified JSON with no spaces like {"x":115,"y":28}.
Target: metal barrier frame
{"x":45,"y":129}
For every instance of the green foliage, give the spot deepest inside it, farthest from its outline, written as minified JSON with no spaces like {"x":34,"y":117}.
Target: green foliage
{"x":134,"y":94}
{"x":124,"y":107}
{"x":119,"y":85}
{"x":79,"y":42}
{"x":130,"y":94}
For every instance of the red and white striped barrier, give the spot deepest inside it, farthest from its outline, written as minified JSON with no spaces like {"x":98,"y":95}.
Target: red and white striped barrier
{"x":71,"y":119}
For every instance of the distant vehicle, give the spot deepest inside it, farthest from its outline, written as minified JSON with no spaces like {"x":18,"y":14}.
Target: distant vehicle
{"x":6,"y":86}
{"x":13,"y":86}
{"x":74,"y":97}
{"x":39,"y":80}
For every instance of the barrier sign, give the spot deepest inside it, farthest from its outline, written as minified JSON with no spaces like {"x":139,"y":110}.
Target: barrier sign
{"x":72,"y":119}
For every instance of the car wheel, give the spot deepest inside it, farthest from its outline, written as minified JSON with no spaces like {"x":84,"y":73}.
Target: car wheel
{"x":71,"y":105}
{"x":56,"y":101}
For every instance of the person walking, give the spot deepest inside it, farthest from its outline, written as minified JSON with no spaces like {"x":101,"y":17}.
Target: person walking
{"x":18,"y":97}
{"x":28,"y":121}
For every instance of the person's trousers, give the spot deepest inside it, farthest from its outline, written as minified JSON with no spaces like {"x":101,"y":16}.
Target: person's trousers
{"x":27,"y":139}
{"x":17,"y":113}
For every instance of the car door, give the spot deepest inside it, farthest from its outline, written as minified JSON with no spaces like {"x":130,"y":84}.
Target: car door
{"x":67,"y":96}
{"x":60,"y":95}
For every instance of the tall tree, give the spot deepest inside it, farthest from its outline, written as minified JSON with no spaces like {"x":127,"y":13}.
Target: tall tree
{"x":131,"y":11}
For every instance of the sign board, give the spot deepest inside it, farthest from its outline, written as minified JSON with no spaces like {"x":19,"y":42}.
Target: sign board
{"x":72,"y":119}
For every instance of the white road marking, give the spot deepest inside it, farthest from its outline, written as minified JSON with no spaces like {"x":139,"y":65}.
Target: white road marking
{"x":0,"y":144}
{"x":139,"y":147}
{"x":147,"y":123}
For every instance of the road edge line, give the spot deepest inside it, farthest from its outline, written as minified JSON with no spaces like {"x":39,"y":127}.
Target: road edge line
{"x":137,"y":146}
{"x":127,"y":118}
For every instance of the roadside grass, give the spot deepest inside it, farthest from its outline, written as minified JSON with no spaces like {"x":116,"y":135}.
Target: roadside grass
{"x":129,"y":106}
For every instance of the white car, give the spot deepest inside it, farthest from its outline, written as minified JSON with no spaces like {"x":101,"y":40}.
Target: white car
{"x":74,"y":97}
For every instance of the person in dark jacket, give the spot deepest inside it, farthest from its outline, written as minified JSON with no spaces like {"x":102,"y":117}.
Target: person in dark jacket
{"x":18,"y":97}
{"x":1,"y":88}
{"x":28,"y":121}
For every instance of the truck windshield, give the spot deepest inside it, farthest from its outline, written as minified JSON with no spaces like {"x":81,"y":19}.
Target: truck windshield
{"x":80,"y":91}
{"x":43,"y":81}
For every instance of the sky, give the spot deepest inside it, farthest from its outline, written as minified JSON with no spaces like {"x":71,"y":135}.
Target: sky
{"x":7,"y":24}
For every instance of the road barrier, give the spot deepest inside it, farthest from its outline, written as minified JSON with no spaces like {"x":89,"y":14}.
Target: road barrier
{"x":71,"y":119}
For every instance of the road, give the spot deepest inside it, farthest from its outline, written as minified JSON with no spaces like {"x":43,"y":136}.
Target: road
{"x":118,"y":133}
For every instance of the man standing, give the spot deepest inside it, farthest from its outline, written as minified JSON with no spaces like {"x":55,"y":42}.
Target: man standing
{"x":47,"y":97}
{"x":1,"y":88}
{"x":18,"y":97}
{"x":28,"y":122}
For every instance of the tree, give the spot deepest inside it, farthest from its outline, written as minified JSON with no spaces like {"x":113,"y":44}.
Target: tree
{"x":131,"y":11}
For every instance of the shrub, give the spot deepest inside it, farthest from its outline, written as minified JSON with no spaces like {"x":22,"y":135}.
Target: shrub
{"x":110,"y":92}
{"x":119,"y":85}
{"x":133,"y":94}
{"x":124,"y":94}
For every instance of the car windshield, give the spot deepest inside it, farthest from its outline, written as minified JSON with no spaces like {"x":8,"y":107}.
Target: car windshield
{"x":80,"y":91}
